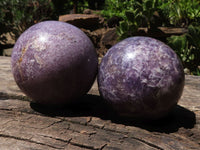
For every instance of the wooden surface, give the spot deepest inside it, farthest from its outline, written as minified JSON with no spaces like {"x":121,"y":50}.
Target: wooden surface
{"x":91,"y":125}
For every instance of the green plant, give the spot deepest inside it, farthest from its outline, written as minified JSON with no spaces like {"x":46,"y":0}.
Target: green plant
{"x":148,"y":8}
{"x":197,"y":72}
{"x":187,"y":48}
{"x":181,"y":12}
{"x":117,"y":8}
{"x":129,"y":26}
{"x":141,"y":13}
{"x":16,"y":16}
{"x":137,"y":13}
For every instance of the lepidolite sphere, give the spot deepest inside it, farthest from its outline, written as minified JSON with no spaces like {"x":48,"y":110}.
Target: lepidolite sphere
{"x":54,"y":62}
{"x":141,"y":77}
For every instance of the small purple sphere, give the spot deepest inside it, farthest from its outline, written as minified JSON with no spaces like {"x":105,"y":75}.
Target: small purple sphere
{"x":141,"y":77}
{"x":54,"y":63}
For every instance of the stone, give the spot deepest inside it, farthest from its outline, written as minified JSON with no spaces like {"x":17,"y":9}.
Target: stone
{"x":7,"y":52}
{"x":87,"y":11}
{"x":56,"y":57}
{"x":141,"y":77}
{"x":7,"y":39}
{"x":102,"y":39}
{"x":6,"y":43}
{"x":86,"y":21}
{"x":94,"y":36}
{"x":109,"y":38}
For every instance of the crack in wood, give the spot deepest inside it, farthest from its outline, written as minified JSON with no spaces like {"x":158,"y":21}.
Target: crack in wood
{"x":189,"y":136}
{"x":83,"y":146}
{"x":103,"y":146}
{"x":148,"y":143}
{"x":6,"y":109}
{"x":115,"y":131}
{"x":58,"y":139}
{"x":14,"y":96}
{"x":92,"y":133}
{"x":94,"y":126}
{"x":89,"y":120}
{"x":69,"y":120}
{"x":28,"y":140}
{"x":76,"y":143}
{"x":91,"y":147}
{"x":56,"y":122}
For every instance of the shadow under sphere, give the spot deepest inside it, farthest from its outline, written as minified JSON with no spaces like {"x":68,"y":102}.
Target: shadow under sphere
{"x":93,"y":105}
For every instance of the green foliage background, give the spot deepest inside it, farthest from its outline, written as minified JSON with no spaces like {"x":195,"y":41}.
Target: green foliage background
{"x":17,"y":15}
{"x":187,"y":47}
{"x":173,"y":13}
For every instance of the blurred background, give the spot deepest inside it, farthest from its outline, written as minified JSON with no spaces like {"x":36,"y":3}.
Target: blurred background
{"x":106,"y":22}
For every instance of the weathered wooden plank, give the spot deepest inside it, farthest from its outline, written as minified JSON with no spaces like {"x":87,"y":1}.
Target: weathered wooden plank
{"x":91,"y":125}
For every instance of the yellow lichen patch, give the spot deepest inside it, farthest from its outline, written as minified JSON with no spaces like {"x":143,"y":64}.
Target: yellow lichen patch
{"x":20,"y":72}
{"x":22,"y":55}
{"x":24,"y":49}
{"x":20,"y":60}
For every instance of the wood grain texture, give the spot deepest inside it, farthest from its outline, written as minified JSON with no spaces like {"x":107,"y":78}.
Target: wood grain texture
{"x":90,"y":124}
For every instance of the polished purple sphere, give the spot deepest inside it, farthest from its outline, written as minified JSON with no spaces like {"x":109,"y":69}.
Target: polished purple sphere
{"x":141,"y":77}
{"x":54,"y":63}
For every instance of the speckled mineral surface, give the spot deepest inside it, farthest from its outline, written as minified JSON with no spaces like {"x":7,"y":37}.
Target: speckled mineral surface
{"x":141,"y":77}
{"x":54,"y":62}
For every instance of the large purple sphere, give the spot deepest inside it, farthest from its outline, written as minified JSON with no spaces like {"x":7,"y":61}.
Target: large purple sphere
{"x":141,"y":77}
{"x":54,"y":62}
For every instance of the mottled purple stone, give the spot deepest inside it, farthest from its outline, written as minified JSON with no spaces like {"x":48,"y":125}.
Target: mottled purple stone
{"x":141,"y":77}
{"x":54,"y":62}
